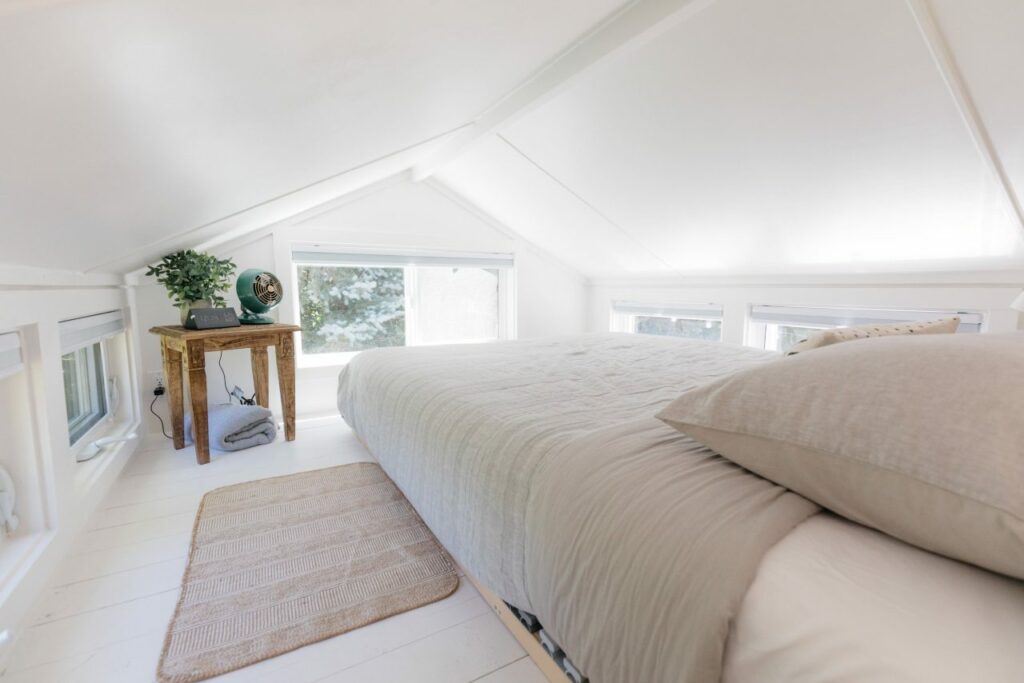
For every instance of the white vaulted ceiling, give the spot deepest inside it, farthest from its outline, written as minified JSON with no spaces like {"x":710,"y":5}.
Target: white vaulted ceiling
{"x":773,"y":136}
{"x":671,"y":137}
{"x":125,"y":121}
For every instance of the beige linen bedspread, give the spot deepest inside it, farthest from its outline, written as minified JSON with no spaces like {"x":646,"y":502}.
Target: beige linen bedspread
{"x":539,"y":466}
{"x":638,"y":567}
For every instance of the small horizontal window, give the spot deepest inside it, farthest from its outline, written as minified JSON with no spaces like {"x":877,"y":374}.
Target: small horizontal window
{"x":352,"y":302}
{"x":779,"y":328}
{"x":85,"y":395}
{"x":690,"y":321}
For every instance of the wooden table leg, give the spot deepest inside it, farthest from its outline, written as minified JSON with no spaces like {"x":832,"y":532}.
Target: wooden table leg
{"x":175,"y":398}
{"x":195,"y":357}
{"x":261,"y":375}
{"x":285,"y":349}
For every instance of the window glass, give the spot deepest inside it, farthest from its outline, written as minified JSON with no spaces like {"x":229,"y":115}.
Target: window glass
{"x":689,"y":328}
{"x":784,"y":337}
{"x":352,"y":308}
{"x":456,"y":304}
{"x":85,"y":394}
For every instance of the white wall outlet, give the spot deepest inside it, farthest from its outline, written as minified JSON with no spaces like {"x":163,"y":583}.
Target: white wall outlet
{"x":155,"y":379}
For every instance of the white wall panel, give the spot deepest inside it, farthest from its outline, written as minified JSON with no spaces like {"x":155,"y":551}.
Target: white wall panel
{"x":505,"y":184}
{"x":784,"y":136}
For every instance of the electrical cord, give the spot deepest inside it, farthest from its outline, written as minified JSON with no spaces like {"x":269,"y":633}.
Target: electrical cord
{"x":157,"y":415}
{"x":223,"y":374}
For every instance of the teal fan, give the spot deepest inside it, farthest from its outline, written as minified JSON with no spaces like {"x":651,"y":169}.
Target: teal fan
{"x":258,"y":292}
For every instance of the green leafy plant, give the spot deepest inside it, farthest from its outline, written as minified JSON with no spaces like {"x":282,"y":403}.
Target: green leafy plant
{"x":194,"y":276}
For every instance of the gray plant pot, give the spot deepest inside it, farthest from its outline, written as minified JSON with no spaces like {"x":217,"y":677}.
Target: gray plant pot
{"x":202,"y":303}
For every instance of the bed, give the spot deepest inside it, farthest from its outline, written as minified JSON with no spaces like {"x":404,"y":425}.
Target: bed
{"x":646,"y":556}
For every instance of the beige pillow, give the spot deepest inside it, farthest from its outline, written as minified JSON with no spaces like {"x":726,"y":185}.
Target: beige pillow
{"x":921,"y":437}
{"x":841,"y":334}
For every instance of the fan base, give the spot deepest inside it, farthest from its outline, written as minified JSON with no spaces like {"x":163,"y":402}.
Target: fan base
{"x":250,"y":318}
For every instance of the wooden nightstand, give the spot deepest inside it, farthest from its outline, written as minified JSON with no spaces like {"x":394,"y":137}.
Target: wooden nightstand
{"x":186,"y":349}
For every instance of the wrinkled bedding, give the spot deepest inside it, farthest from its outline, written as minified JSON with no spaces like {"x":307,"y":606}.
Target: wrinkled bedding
{"x":462,"y":429}
{"x":538,"y":465}
{"x":647,"y":557}
{"x":638,"y":567}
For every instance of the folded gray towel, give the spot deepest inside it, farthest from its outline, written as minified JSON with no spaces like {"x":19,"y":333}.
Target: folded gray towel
{"x":233,"y":428}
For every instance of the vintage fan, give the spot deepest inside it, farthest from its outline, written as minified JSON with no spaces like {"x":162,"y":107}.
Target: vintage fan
{"x":258,"y":292}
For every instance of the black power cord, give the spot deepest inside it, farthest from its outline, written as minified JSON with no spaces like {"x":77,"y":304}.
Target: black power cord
{"x":157,"y":393}
{"x":220,"y":363}
{"x":160,"y":390}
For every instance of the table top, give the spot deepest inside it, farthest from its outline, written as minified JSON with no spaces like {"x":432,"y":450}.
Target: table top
{"x":179,"y":332}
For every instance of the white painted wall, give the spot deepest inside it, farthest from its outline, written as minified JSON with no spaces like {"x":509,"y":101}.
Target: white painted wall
{"x":398,"y":214}
{"x":56,"y":495}
{"x":779,"y":136}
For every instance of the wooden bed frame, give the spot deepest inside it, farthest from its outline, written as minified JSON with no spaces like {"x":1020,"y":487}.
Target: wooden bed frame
{"x":529,"y":641}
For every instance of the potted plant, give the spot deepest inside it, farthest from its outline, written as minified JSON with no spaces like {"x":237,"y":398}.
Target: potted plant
{"x":193,"y":279}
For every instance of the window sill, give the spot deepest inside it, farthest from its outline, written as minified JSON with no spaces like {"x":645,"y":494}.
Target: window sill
{"x":324,"y":360}
{"x":87,"y":472}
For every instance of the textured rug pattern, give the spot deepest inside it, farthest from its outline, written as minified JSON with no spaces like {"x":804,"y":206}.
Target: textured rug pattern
{"x":280,"y":563}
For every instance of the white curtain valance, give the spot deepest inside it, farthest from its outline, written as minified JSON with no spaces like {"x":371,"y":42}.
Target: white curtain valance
{"x":79,"y":332}
{"x":10,"y":354}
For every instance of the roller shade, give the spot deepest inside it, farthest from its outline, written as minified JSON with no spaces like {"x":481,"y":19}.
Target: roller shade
{"x":836,"y":317}
{"x":10,"y":354}
{"x":693,"y":311}
{"x":79,"y":332}
{"x":312,"y":256}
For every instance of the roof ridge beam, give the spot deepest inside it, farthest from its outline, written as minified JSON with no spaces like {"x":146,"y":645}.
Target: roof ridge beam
{"x":633,"y":25}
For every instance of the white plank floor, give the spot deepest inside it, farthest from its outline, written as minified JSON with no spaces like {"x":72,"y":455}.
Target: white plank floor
{"x":105,"y":615}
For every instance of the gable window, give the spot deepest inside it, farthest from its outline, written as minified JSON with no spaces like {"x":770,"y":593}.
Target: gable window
{"x":83,"y":363}
{"x":779,"y":328}
{"x":350,"y":302}
{"x":690,"y":321}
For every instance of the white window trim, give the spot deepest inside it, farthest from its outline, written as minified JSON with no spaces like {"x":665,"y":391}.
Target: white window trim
{"x":77,"y":333}
{"x":343,"y":256}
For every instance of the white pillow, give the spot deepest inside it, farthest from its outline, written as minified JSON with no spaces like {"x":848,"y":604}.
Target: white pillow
{"x":921,"y":436}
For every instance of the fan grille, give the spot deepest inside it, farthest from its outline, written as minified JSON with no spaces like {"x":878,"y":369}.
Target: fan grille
{"x":267,"y":288}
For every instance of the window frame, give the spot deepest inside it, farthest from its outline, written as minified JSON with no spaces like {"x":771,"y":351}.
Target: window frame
{"x":624,"y":315}
{"x":762,"y":317}
{"x":409,"y":261}
{"x":98,"y":386}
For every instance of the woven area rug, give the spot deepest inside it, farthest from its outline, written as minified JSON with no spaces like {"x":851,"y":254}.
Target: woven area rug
{"x":280,"y":563}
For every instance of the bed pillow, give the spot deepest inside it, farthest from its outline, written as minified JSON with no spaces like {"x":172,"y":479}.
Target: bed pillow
{"x":921,"y":437}
{"x":841,"y":334}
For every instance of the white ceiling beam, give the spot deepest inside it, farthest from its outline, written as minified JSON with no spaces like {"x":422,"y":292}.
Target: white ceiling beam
{"x":275,"y":210}
{"x":27,"y":277}
{"x":944,"y":60}
{"x":635,"y":24}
